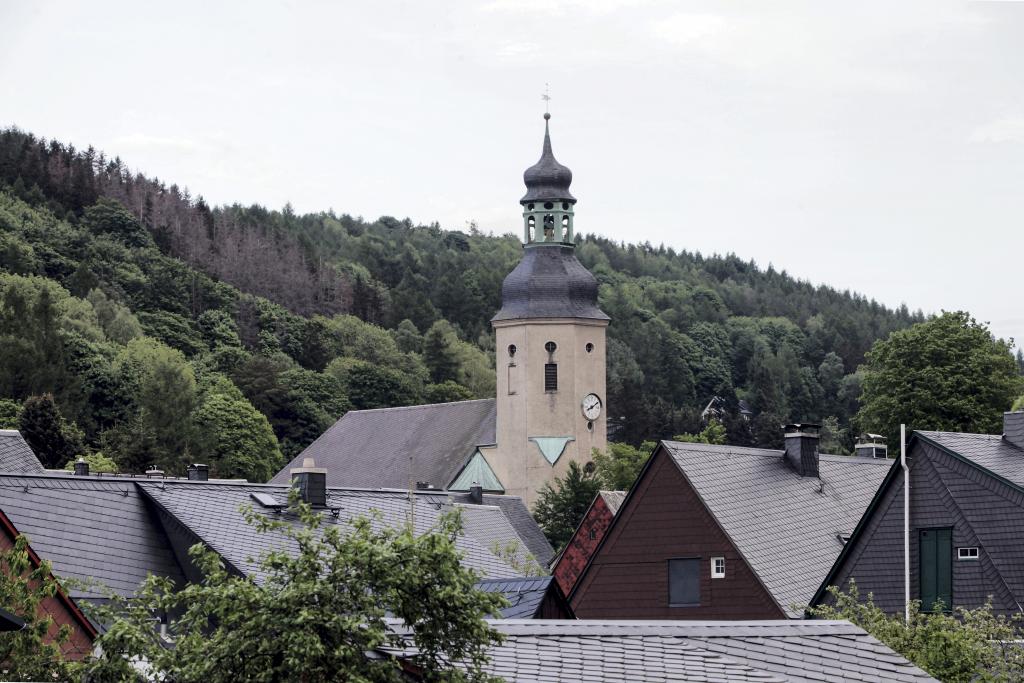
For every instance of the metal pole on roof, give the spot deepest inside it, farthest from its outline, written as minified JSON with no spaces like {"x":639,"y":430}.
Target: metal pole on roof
{"x":906,"y":522}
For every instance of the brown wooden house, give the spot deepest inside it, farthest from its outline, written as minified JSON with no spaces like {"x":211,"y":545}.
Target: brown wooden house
{"x":574,"y":557}
{"x":725,"y":532}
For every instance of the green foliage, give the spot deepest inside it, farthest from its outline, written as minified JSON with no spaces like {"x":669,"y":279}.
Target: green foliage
{"x":9,"y":412}
{"x":834,"y":439}
{"x":162,"y":385}
{"x":619,"y":466}
{"x":713,"y":433}
{"x":235,"y":440}
{"x":446,"y":392}
{"x":947,"y":374}
{"x":317,"y":613}
{"x":98,"y":463}
{"x":373,"y":386}
{"x":439,"y":353}
{"x":1018,"y":404}
{"x":522,"y":561}
{"x":47,"y":433}
{"x":562,"y":502}
{"x":34,"y":652}
{"x":962,"y":646}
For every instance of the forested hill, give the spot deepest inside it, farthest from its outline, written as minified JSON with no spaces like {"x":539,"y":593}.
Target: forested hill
{"x":119,"y":292}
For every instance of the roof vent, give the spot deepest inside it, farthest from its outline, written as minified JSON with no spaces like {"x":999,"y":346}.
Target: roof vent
{"x":154,"y":472}
{"x":311,"y":482}
{"x":81,"y":467}
{"x":198,"y":472}
{"x":871,"y":446}
{"x":802,"y":448}
{"x":424,"y":486}
{"x":1013,"y":428}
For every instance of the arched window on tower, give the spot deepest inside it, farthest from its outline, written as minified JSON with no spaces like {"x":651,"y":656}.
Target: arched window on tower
{"x":549,"y":227}
{"x":531,"y":228}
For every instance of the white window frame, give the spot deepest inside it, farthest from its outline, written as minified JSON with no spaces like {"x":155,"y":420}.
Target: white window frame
{"x":968,"y":553}
{"x":715,"y":572}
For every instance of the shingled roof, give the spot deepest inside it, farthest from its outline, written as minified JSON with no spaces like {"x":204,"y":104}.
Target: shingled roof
{"x":525,"y":594}
{"x":658,"y":651}
{"x":519,"y":517}
{"x":15,"y":454}
{"x":89,"y":529}
{"x":116,"y":531}
{"x":210,"y":512}
{"x":787,"y":527}
{"x":396,"y":447}
{"x":989,"y":451}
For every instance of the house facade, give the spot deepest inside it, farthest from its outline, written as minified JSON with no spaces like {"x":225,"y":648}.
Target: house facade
{"x":724,"y":532}
{"x":966,"y":526}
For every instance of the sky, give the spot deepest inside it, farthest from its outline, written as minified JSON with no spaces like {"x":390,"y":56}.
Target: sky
{"x":871,"y":146}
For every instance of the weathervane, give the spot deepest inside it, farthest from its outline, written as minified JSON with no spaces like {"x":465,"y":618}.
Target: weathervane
{"x":547,"y":99}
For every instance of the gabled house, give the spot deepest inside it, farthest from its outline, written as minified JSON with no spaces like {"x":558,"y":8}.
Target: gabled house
{"x":60,"y":607}
{"x":570,"y":562}
{"x":966,"y":525}
{"x":725,"y":532}
{"x":16,"y":455}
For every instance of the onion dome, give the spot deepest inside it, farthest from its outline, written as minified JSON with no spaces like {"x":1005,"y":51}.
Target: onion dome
{"x":549,"y":283}
{"x":547,"y":179}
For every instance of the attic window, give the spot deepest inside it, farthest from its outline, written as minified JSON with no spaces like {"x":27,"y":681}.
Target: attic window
{"x":966,"y":553}
{"x":717,"y":567}
{"x":592,"y":535}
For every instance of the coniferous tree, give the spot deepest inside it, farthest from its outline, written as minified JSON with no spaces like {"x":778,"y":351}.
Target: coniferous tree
{"x":47,"y":433}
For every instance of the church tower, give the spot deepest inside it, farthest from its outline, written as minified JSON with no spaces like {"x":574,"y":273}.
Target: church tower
{"x":550,"y":337}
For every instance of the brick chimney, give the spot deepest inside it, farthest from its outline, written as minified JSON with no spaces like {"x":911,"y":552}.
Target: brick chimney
{"x":1013,"y":428}
{"x":198,"y":472}
{"x":312,"y":483}
{"x":802,"y":448}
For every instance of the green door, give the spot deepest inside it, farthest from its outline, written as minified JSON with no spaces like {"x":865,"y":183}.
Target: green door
{"x":936,"y":570}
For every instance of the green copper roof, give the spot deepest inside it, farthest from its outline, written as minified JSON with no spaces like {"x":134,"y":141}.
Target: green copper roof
{"x":551,"y":447}
{"x":476,"y":470}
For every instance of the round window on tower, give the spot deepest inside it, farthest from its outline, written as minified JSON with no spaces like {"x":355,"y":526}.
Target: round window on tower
{"x":589,"y":347}
{"x":565,"y":206}
{"x":511,"y":350}
{"x":590,"y":426}
{"x":548,"y":205}
{"x":529,"y":207}
{"x":550,"y":347}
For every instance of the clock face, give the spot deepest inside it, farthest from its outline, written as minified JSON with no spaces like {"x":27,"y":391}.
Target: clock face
{"x":591,"y":406}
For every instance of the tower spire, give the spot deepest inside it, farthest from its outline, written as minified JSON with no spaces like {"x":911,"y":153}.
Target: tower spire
{"x":547,"y":204}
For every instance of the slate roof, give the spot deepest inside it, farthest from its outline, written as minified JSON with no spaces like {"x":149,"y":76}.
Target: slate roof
{"x":785,"y":526}
{"x":89,"y":529}
{"x":15,"y":454}
{"x":373,"y":448}
{"x":990,"y":451}
{"x":525,"y":593}
{"x":549,"y":282}
{"x":522,"y":521}
{"x":657,"y":651}
{"x":210,"y":512}
{"x":613,"y":499}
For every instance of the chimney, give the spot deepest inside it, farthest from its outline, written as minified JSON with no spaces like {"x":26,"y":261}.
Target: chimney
{"x":81,"y":467}
{"x":198,"y":472}
{"x":154,"y":472}
{"x":476,"y":494}
{"x":424,"y":486}
{"x":871,"y":446}
{"x":1013,"y":428}
{"x":802,"y":448}
{"x":312,"y":483}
